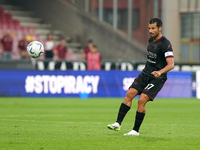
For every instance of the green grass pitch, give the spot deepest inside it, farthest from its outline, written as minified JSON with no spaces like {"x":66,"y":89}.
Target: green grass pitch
{"x":75,"y":124}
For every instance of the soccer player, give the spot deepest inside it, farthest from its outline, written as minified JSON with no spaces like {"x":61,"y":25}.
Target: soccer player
{"x":160,"y":60}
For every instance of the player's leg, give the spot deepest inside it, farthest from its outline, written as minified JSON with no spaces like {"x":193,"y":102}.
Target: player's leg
{"x":141,"y":110}
{"x":126,"y":104}
{"x":143,"y":99}
{"x":149,"y":93}
{"x":124,"y":108}
{"x":135,"y":89}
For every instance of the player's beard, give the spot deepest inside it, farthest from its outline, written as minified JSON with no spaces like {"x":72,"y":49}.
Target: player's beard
{"x":154,"y":36}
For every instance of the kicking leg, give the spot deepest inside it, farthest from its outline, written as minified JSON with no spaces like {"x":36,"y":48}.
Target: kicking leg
{"x":124,"y":108}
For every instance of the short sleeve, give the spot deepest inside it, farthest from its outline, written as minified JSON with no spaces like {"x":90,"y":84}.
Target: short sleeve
{"x":167,"y":48}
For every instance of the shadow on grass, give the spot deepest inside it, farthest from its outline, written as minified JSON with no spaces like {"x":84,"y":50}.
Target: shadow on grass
{"x":146,"y":138}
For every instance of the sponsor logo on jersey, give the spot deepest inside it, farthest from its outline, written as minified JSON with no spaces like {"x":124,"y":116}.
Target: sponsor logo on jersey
{"x":152,"y":55}
{"x":151,"y":61}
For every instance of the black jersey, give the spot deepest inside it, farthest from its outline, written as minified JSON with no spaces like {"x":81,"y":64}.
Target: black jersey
{"x":157,"y":52}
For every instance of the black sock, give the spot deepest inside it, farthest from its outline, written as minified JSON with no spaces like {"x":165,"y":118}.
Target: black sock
{"x":138,"y":121}
{"x":122,"y":112}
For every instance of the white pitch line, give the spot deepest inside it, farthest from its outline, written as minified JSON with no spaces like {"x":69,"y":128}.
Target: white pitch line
{"x":68,"y":122}
{"x":51,"y":121}
{"x":32,"y":115}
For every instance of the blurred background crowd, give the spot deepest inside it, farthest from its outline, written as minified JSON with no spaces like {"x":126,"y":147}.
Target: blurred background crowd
{"x":15,"y":37}
{"x":13,"y":46}
{"x":114,"y":30}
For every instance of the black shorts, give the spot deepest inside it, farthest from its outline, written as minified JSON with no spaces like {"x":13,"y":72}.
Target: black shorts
{"x":148,"y":85}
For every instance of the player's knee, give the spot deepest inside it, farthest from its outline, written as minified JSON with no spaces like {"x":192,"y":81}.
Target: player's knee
{"x":141,"y":105}
{"x":141,"y":110}
{"x":129,"y":96}
{"x":143,"y":99}
{"x":131,"y":93}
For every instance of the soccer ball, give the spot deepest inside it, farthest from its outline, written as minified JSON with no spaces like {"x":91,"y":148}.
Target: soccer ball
{"x":35,"y":49}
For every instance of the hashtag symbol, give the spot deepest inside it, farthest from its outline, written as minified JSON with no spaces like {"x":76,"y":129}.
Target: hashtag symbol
{"x":29,"y":84}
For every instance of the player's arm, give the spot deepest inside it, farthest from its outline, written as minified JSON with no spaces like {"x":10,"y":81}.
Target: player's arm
{"x":168,"y":53}
{"x":168,"y":67}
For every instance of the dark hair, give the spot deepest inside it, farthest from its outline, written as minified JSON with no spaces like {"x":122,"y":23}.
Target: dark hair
{"x":49,"y":34}
{"x":158,"y":22}
{"x":90,"y":41}
{"x":62,"y":38}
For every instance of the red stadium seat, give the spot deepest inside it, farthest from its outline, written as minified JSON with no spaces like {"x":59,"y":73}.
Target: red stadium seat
{"x":24,"y":30}
{"x":1,"y":10}
{"x":11,"y":25}
{"x":2,"y":18}
{"x":16,"y":24}
{"x":8,"y":16}
{"x":7,"y":22}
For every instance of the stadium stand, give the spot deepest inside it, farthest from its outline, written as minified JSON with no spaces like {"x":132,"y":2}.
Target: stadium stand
{"x":19,"y":21}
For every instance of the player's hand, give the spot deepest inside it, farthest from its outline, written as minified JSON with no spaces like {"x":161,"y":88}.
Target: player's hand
{"x":156,"y":74}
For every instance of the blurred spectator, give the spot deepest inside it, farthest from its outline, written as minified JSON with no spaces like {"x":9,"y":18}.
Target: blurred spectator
{"x":94,"y":59}
{"x":6,"y":46}
{"x":30,"y":37}
{"x":22,"y":47}
{"x":61,"y":50}
{"x":87,"y":49}
{"x":49,"y":47}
